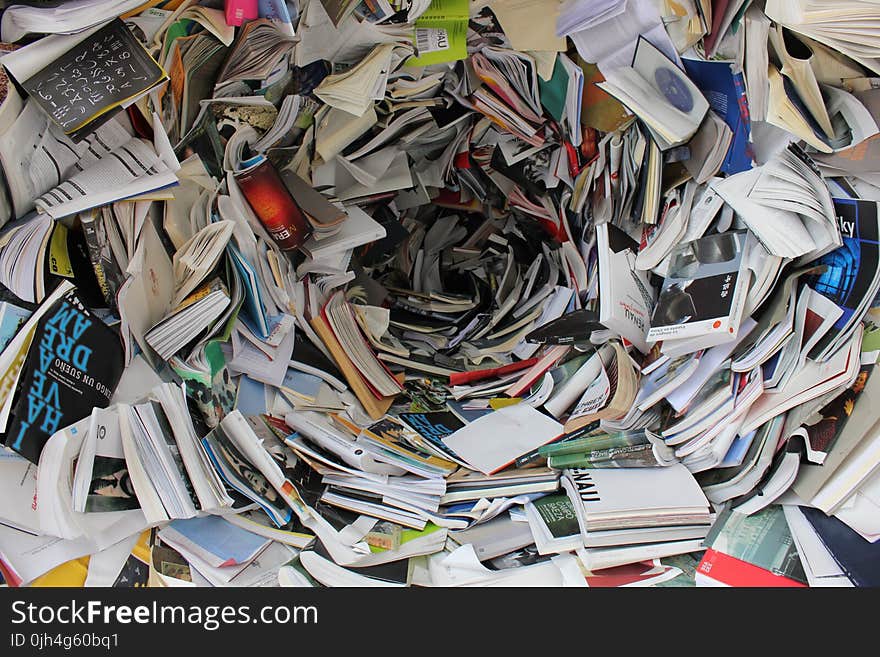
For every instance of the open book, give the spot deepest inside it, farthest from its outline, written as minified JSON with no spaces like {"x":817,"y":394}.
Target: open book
{"x":659,"y":93}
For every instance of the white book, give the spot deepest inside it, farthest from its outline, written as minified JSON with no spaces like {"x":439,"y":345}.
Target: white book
{"x":627,"y":494}
{"x":643,"y":535}
{"x":626,"y":296}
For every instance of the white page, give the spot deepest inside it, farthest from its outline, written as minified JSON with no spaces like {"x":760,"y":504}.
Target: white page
{"x":520,"y":428}
{"x":816,"y":558}
{"x":709,"y":363}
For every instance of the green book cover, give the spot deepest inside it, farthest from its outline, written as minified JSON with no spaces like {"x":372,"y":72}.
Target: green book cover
{"x":553,"y":91}
{"x":441,"y":33}
{"x":762,"y":539}
{"x":558,"y":514}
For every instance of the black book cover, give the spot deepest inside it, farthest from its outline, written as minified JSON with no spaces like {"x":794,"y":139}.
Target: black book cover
{"x":88,"y":84}
{"x":576,"y":326}
{"x":859,"y":559}
{"x":433,"y":426}
{"x":395,"y":572}
{"x":74,"y":364}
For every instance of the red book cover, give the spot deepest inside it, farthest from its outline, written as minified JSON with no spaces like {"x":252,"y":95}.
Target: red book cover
{"x":731,"y":571}
{"x":239,"y":11}
{"x":272,"y":203}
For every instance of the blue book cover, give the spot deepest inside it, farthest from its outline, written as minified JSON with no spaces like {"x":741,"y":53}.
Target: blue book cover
{"x":251,"y":398}
{"x":306,"y":385}
{"x":229,"y":543}
{"x":255,"y":310}
{"x":851,"y":270}
{"x":725,"y":91}
{"x":737,"y":450}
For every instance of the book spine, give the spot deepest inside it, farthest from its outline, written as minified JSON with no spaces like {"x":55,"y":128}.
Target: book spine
{"x":745,"y":124}
{"x":87,"y":220}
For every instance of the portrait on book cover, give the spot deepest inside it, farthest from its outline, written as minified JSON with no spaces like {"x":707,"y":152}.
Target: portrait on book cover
{"x":111,"y":488}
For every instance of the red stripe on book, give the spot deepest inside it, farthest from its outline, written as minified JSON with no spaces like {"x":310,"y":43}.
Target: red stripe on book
{"x":735,"y":572}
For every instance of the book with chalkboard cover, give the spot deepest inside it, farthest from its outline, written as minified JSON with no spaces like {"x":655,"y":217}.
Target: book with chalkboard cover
{"x":100,"y":75}
{"x":74,"y":364}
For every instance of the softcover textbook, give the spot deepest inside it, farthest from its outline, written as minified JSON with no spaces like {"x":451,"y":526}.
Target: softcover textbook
{"x":74,"y":364}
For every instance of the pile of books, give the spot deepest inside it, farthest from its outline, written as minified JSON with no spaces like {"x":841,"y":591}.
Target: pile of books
{"x":440,"y":293}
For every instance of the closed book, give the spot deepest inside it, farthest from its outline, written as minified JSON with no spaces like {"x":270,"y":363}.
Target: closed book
{"x":719,"y":569}
{"x":74,"y":364}
{"x":272,"y":203}
{"x":626,"y":498}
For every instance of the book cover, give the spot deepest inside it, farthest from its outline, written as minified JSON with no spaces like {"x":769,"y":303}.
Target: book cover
{"x":239,"y":11}
{"x":821,"y":431}
{"x":626,"y":295}
{"x":74,"y":364}
{"x":272,"y":203}
{"x":433,"y":425}
{"x":395,"y":436}
{"x":725,"y":570}
{"x":724,"y":88}
{"x":857,"y":557}
{"x":110,"y":487}
{"x":851,"y":271}
{"x":762,"y":539}
{"x":94,"y":78}
{"x":558,"y":515}
{"x":643,"y":492}
{"x":705,"y":289}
